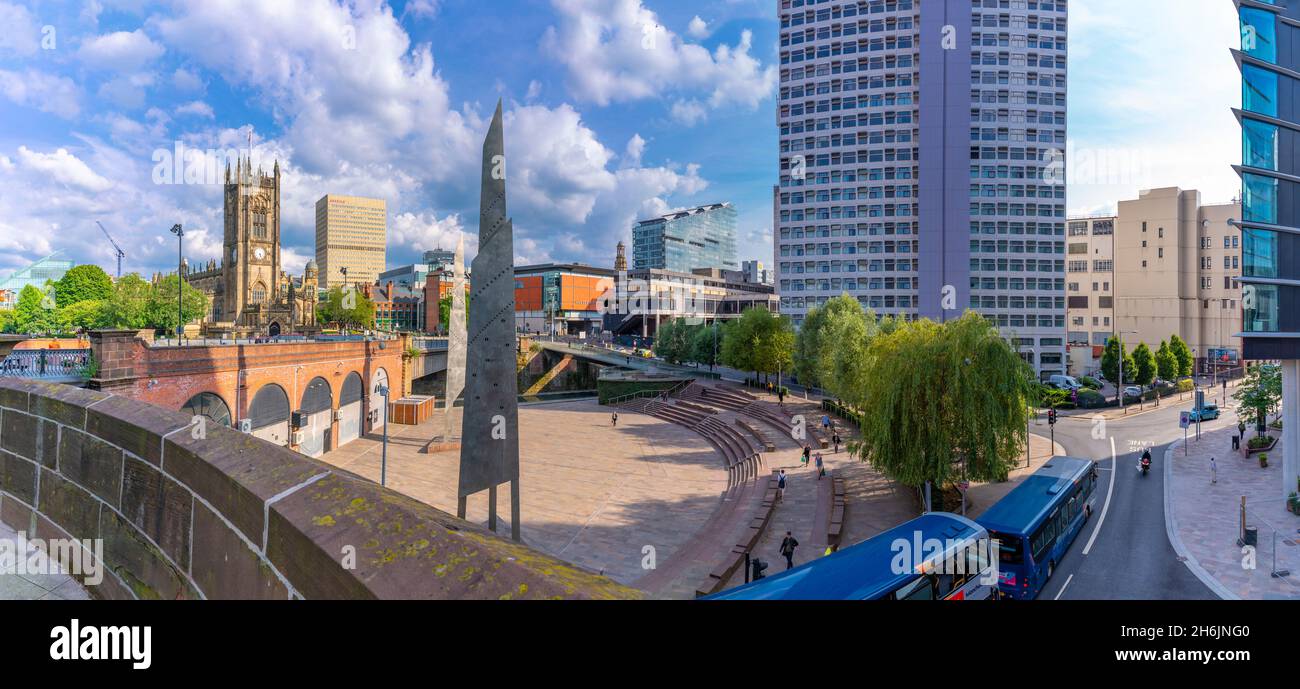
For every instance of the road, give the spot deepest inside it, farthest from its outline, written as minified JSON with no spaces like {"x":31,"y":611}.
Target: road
{"x":1130,"y":557}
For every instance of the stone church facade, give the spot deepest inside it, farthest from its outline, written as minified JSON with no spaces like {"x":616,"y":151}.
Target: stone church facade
{"x":249,"y":293}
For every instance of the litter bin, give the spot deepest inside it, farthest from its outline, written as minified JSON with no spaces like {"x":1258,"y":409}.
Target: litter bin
{"x":758,"y":567}
{"x":1252,"y":536}
{"x":1236,"y":442}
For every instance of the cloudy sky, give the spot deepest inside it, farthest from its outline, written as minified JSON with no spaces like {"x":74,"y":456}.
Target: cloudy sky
{"x":615,"y":110}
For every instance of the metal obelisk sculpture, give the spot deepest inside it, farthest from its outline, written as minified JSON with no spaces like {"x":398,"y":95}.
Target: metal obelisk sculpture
{"x":489,"y":451}
{"x":456,"y":338}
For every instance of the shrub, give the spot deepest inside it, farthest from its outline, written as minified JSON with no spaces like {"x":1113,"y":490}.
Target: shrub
{"x":1091,"y":399}
{"x":1260,"y":441}
{"x":1186,"y":385}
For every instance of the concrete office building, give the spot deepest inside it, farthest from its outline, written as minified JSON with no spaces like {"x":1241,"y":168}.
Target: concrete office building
{"x":1270,"y":203}
{"x":925,"y":177}
{"x":1166,"y":264}
{"x":351,"y":233}
{"x":682,"y":241}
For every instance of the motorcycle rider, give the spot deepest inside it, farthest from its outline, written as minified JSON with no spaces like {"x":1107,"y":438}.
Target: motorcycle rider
{"x":1146,"y":460}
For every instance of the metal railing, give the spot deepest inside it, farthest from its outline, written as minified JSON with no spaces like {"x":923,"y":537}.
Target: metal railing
{"x":661,"y":394}
{"x":47,"y":364}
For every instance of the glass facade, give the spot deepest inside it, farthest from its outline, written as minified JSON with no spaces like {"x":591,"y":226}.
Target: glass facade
{"x":1259,"y":143}
{"x":1259,"y":253}
{"x":703,"y":237}
{"x":856,"y":144}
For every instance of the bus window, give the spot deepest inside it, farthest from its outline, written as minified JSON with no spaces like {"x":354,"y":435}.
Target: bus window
{"x":1010,"y":549}
{"x":921,"y":589}
{"x":1043,"y":539}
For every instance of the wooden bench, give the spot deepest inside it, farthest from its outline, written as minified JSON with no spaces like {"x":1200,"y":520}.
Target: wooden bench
{"x":836,"y":527}
{"x":763,"y":439}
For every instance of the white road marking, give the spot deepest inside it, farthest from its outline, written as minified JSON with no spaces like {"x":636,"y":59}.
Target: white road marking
{"x":1067,"y":583}
{"x":1110,"y":493}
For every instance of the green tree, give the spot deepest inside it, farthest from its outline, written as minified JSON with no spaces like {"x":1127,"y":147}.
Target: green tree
{"x":1183,"y":354}
{"x":1166,"y":362}
{"x":83,"y":283}
{"x":1144,"y":365}
{"x":948,"y":402}
{"x":6,"y":320}
{"x":707,"y":345}
{"x":162,"y":304}
{"x":346,"y":309}
{"x":1261,"y":392}
{"x":759,"y":341}
{"x":128,"y":307}
{"x":674,"y":341}
{"x":35,"y":312}
{"x":83,"y":315}
{"x":816,"y":343}
{"x":444,"y":312}
{"x":1110,"y":360}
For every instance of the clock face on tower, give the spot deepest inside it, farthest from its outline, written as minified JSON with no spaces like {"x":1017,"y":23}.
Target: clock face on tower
{"x":259,"y":254}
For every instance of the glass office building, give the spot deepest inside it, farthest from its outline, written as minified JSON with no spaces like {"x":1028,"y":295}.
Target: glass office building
{"x":1269,"y":60}
{"x":926,"y":177}
{"x":682,"y":241}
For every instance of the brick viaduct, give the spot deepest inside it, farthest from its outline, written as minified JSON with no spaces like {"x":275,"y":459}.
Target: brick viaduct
{"x":172,"y":377}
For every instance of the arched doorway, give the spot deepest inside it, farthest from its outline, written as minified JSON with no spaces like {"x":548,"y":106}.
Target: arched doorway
{"x":274,"y":330}
{"x":350,"y":409}
{"x":210,"y":406}
{"x":378,"y":416}
{"x":269,"y":414}
{"x":318,"y":405}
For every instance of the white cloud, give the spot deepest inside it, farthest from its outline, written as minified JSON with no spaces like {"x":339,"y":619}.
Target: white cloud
{"x":689,"y":112}
{"x":197,"y":109}
{"x":45,"y":92}
{"x":698,"y":28}
{"x":423,"y":231}
{"x":619,"y":52}
{"x":635,"y":149}
{"x":121,"y":51}
{"x":20,"y":35}
{"x":127,"y":90}
{"x":64,"y":168}
{"x":187,"y":80}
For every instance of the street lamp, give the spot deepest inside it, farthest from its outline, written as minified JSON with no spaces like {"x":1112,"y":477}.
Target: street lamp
{"x":1119,"y":384}
{"x":383,"y":456}
{"x":180,"y":280}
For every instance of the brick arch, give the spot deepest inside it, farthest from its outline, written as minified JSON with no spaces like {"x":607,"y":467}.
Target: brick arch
{"x":198,"y":405}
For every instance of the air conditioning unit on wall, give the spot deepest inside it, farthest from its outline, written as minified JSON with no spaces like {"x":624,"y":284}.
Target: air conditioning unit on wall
{"x":338,"y":414}
{"x":245,"y":425}
{"x":299,"y":437}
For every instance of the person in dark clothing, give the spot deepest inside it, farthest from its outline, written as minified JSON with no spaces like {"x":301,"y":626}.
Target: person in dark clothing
{"x":807,"y":454}
{"x":613,"y":419}
{"x":787,"y":549}
{"x":836,"y":439}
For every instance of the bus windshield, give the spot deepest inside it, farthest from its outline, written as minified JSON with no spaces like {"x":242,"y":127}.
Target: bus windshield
{"x":1010,"y":550}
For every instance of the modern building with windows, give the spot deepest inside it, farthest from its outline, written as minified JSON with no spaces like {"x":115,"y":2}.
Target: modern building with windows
{"x":564,"y":299}
{"x":1269,"y":60}
{"x":351,"y":234}
{"x":48,"y":269}
{"x":1166,"y":264}
{"x":682,"y":241}
{"x":926,"y":177}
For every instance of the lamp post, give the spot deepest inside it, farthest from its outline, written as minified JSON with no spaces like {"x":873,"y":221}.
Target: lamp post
{"x":180,"y":280}
{"x":383,"y":454}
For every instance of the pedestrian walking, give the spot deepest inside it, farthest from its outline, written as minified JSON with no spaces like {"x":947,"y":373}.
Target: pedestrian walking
{"x":780,"y":486}
{"x":1214,"y":471}
{"x":787,"y":549}
{"x":780,"y":396}
{"x":836,"y":439}
{"x":613,"y":419}
{"x":807,"y":454}
{"x":826,"y":421}
{"x":821,"y":467}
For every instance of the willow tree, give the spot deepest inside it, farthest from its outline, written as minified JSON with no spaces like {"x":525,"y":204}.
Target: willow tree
{"x":947,"y":403}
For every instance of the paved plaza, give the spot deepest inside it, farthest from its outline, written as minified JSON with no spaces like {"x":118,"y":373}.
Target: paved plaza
{"x":1206,"y":516}
{"x":56,"y":585}
{"x":592,"y":494}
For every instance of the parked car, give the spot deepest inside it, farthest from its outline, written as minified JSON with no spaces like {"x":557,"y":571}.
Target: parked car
{"x":1206,"y":413}
{"x":1064,"y":383}
{"x":1133,"y":391}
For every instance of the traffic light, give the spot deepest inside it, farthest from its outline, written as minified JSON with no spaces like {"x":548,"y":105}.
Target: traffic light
{"x":1051,"y":417}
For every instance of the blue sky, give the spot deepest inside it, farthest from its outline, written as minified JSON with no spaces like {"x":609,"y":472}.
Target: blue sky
{"x":607,"y":120}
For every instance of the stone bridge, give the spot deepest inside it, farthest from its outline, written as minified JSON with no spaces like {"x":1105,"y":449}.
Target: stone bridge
{"x":309,"y":396}
{"x":178,"y":510}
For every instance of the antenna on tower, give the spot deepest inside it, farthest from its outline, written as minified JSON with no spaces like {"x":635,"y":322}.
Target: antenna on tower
{"x":116,"y":249}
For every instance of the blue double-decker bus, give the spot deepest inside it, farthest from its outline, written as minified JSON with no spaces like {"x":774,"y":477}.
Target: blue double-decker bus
{"x":937,"y":556}
{"x":1036,"y":522}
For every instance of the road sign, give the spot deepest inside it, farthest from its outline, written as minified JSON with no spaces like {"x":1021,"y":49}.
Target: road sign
{"x":1185,"y":420}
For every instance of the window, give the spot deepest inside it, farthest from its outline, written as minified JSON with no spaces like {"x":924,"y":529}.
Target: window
{"x":1259,"y":34}
{"x":1259,"y":202}
{"x":1259,"y":144}
{"x":1259,"y":253}
{"x":1262,"y":307}
{"x":1259,"y":90}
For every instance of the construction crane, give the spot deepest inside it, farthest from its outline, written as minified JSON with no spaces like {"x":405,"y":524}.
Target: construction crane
{"x":116,"y":249}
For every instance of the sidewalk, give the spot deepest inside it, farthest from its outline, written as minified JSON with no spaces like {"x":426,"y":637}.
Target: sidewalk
{"x":1212,"y":396}
{"x":1203,"y":518}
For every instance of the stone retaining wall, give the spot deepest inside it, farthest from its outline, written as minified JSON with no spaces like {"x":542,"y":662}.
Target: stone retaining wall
{"x":185,"y":511}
